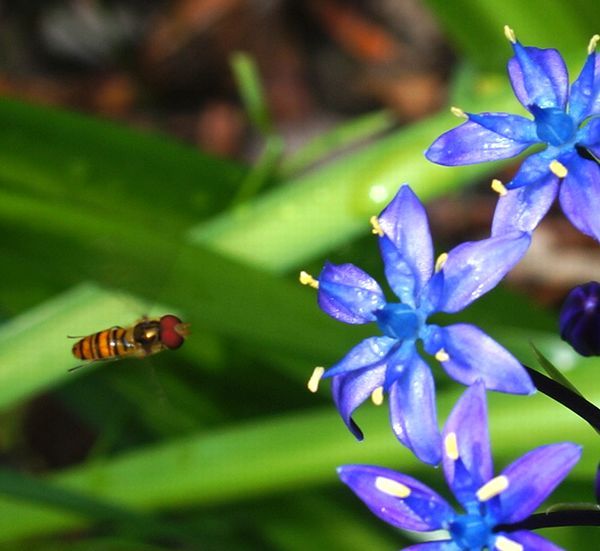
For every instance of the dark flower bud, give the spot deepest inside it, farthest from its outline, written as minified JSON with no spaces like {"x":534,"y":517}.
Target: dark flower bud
{"x":580,"y":319}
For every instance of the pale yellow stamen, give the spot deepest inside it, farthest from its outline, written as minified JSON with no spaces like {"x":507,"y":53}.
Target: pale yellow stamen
{"x":315,"y":379}
{"x":377,"y":396}
{"x":307,"y":279}
{"x":441,"y":355}
{"x":558,"y":169}
{"x":510,"y":34}
{"x":502,"y":543}
{"x":492,"y":488}
{"x":376,"y":227}
{"x":451,"y":446}
{"x":391,"y":487}
{"x":593,"y":43}
{"x":441,"y":260}
{"x":458,"y":112}
{"x":499,"y":187}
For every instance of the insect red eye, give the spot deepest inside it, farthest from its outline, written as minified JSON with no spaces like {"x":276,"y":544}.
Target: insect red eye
{"x":172,"y":331}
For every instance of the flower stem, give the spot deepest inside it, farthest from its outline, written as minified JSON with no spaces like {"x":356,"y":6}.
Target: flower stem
{"x":582,"y":407}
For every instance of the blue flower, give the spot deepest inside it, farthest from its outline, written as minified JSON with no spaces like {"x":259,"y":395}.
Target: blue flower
{"x":580,"y":319}
{"x":487,"y":501}
{"x":565,"y":122}
{"x":391,"y":362}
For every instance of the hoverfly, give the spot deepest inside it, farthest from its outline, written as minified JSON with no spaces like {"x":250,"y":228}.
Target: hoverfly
{"x":147,"y":337}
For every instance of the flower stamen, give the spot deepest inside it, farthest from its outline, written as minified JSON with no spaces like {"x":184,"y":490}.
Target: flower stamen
{"x":499,"y":187}
{"x":458,"y":112}
{"x":492,"y":488}
{"x":441,"y":260}
{"x":307,"y":279}
{"x":377,"y":396}
{"x":451,"y":446}
{"x":315,"y":379}
{"x":510,"y":34}
{"x":376,"y":227}
{"x":558,"y":169}
{"x":392,"y":487}
{"x":441,"y":355}
{"x":502,"y":543}
{"x":593,"y":43}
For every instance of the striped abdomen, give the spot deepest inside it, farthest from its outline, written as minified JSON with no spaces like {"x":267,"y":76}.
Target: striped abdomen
{"x":104,"y":345}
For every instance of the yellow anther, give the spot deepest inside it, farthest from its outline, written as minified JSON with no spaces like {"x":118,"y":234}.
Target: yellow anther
{"x":315,"y":379}
{"x":593,"y":43}
{"x":492,"y":488}
{"x":441,"y":260}
{"x":502,"y":543}
{"x":307,"y":279}
{"x":510,"y":34}
{"x":441,"y":355}
{"x":376,"y":226}
{"x":458,"y":112}
{"x":377,"y":396}
{"x":558,"y":169}
{"x":499,"y":187}
{"x":391,"y":487}
{"x":451,"y":446}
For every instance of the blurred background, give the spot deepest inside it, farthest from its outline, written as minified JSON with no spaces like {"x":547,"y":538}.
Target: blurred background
{"x":192,"y":157}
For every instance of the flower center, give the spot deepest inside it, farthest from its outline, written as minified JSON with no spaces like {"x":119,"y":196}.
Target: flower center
{"x":553,"y":125}
{"x":399,"y":321}
{"x":470,"y":532}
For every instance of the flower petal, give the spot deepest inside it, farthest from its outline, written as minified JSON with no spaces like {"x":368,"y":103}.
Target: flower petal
{"x":513,"y":127}
{"x":404,"y":222}
{"x":351,"y":389}
{"x":368,"y":353}
{"x":538,"y":76}
{"x":422,"y":510}
{"x":534,"y":169}
{"x":471,"y":143}
{"x":585,"y":91}
{"x":467,"y":427}
{"x":522,"y":209}
{"x":401,"y":275}
{"x":589,"y":135}
{"x":533,"y":477}
{"x":441,"y":545}
{"x":530,"y":541}
{"x":349,"y":294}
{"x":473,"y":355}
{"x":413,"y":410}
{"x":579,"y":196}
{"x":474,"y":268}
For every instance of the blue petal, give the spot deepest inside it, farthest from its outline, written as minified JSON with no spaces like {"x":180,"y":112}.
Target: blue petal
{"x":585,"y":91}
{"x":471,"y":143}
{"x":538,"y":77}
{"x":413,"y":412}
{"x":533,"y":477}
{"x":513,"y":127}
{"x":589,"y":135}
{"x":474,"y":268}
{"x":401,"y":276}
{"x":423,"y":510}
{"x":474,"y":467}
{"x":370,"y":352}
{"x":534,"y":169}
{"x":404,"y":222}
{"x":351,"y":389}
{"x":522,"y":209}
{"x":349,"y":294}
{"x":579,"y":196}
{"x":473,"y":356}
{"x":531,"y":541}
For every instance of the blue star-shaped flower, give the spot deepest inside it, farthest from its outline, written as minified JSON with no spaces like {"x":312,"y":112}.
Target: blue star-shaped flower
{"x":392,"y":361}
{"x":565,"y":122}
{"x":487,"y":501}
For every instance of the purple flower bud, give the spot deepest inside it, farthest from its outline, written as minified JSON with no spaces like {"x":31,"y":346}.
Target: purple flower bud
{"x":580,"y":319}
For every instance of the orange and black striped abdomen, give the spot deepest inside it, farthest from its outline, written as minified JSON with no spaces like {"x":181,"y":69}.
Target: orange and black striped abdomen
{"x":104,"y":345}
